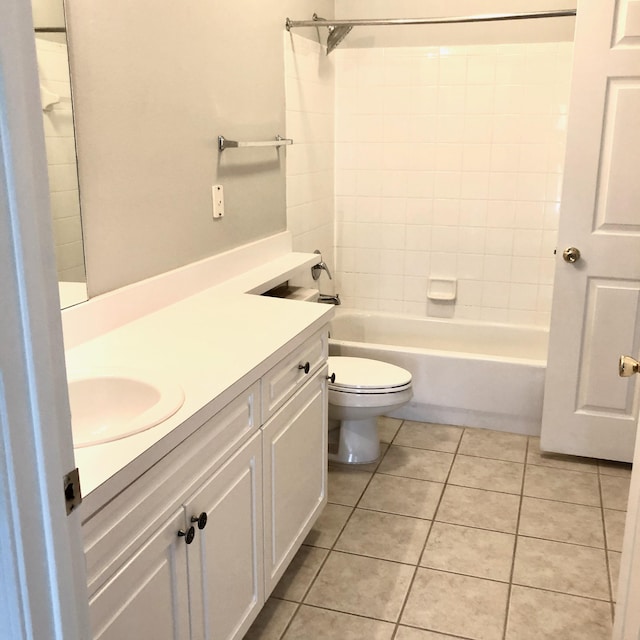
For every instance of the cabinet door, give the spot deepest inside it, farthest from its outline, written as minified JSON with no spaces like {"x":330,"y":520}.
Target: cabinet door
{"x":295,"y":474}
{"x":147,"y":598}
{"x":225,"y":559}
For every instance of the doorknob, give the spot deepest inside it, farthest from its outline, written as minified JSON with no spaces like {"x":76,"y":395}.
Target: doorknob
{"x":571,"y":255}
{"x":627,"y":366}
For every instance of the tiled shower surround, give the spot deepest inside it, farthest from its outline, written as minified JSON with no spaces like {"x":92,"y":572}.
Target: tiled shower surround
{"x":448,"y":164}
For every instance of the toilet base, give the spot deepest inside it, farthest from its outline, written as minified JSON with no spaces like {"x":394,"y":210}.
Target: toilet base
{"x":358,"y":442}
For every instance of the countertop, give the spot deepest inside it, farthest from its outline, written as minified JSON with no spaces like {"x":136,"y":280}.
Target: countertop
{"x":214,"y":344}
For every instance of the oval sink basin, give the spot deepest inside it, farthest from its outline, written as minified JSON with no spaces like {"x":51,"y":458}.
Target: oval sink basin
{"x":110,"y":405}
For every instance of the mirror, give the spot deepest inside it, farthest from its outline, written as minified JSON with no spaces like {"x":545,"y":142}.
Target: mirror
{"x":57,"y":114}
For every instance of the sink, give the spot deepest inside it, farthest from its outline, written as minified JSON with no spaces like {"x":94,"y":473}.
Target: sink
{"x":108,"y":405}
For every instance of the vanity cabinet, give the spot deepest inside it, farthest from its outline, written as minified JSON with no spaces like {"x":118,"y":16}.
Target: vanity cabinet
{"x":257,"y":469}
{"x":295,"y":474}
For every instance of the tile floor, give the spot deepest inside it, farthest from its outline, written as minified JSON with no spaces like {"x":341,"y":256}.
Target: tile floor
{"x":457,"y":533}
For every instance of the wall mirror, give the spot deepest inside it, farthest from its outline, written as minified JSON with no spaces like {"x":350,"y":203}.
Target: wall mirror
{"x":55,"y":90}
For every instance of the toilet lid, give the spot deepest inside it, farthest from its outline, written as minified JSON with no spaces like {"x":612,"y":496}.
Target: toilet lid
{"x":366,"y":375}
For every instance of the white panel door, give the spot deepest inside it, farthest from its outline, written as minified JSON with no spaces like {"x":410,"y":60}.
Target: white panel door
{"x":295,"y":474}
{"x":588,"y":409}
{"x":225,"y":559}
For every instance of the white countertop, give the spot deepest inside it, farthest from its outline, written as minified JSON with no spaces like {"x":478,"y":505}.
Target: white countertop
{"x":214,"y":344}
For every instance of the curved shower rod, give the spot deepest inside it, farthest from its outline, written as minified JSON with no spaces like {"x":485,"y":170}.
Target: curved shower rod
{"x":379,"y":22}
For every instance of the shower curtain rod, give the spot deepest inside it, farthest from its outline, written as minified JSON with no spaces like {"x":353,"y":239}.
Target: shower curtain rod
{"x":377,"y":22}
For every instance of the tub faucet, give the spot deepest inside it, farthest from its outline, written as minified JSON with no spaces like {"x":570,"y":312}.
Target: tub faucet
{"x":321,"y":266}
{"x":327,"y":299}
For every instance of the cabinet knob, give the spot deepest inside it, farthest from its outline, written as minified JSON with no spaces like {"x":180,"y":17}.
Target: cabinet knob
{"x":188,"y":535}
{"x":201,"y":520}
{"x":331,"y":378}
{"x":306,"y":366}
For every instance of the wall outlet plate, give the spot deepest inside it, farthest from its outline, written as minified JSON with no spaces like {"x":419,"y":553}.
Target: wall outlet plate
{"x":217,"y":193}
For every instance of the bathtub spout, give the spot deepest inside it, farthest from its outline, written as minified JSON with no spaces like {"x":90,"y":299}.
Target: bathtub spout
{"x":327,"y":299}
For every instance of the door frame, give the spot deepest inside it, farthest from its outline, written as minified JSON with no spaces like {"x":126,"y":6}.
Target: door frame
{"x":43,"y":586}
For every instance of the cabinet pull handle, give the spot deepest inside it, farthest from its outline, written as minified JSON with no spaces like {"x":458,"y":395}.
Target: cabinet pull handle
{"x":306,"y":366}
{"x":331,"y":378}
{"x":201,"y":520}
{"x":188,"y":535}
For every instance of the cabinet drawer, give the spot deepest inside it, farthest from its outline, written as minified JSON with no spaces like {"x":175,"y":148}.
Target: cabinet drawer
{"x":290,"y":373}
{"x":138,"y":510}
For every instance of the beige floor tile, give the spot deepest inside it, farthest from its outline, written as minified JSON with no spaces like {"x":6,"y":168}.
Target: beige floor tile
{"x":455,"y":604}
{"x":380,"y":592}
{"x":485,"y":473}
{"x":411,"y":633}
{"x":614,"y":522}
{"x":614,"y":571}
{"x":610,"y":468}
{"x":424,"y":435}
{"x":474,"y":552}
{"x":311,"y":623}
{"x":300,"y":574}
{"x":558,"y":566}
{"x":479,"y":508}
{"x":328,"y":526}
{"x":387,"y":428}
{"x":572,"y":463}
{"x":561,"y":521}
{"x":615,"y":492}
{"x":416,"y":463}
{"x":384,"y":535}
{"x":272,"y":620}
{"x":493,"y":444}
{"x":543,"y":615}
{"x":562,"y":485}
{"x":404,"y":496}
{"x":346,"y":485}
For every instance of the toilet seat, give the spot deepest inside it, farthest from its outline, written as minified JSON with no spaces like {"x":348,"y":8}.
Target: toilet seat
{"x":363,"y":376}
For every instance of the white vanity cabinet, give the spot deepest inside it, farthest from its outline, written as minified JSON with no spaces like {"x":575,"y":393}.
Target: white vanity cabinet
{"x":257,"y":469}
{"x":295,"y":474}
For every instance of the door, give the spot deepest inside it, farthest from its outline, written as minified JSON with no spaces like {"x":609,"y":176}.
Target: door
{"x":148,"y":597}
{"x":225,"y":558}
{"x":588,"y":410}
{"x":295,"y":474}
{"x":42,"y":582}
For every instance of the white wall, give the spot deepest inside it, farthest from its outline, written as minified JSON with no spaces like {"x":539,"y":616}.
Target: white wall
{"x":310,"y":82}
{"x":155,"y":83}
{"x":554,"y":30}
{"x":449,"y":164}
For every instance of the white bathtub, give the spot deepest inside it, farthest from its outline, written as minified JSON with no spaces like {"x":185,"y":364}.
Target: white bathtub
{"x":464,"y":373}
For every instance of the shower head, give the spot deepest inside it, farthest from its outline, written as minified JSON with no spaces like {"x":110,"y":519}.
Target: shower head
{"x":336,"y":36}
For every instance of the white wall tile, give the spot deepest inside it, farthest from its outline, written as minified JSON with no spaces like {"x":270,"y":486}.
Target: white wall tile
{"x":448,"y":162}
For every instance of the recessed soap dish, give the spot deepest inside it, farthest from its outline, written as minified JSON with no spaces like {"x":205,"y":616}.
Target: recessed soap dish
{"x":442,"y":289}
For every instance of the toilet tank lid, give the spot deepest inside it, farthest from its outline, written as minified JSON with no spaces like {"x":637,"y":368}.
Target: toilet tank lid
{"x":363,"y":373}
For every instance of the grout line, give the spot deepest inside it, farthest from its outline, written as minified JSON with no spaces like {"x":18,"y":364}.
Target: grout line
{"x":606,"y":545}
{"x":515,"y":543}
{"x":424,"y":546}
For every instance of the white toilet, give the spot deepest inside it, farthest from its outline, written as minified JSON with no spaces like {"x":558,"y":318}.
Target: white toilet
{"x":363,"y":390}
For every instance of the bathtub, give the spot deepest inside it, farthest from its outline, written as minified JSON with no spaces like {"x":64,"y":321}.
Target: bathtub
{"x":464,"y":373}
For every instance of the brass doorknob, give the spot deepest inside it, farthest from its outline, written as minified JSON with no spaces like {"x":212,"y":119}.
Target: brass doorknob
{"x":571,"y":255}
{"x":627,"y":366}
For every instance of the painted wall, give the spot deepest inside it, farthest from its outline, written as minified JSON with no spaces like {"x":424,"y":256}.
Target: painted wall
{"x":155,"y":83}
{"x":449,"y":165}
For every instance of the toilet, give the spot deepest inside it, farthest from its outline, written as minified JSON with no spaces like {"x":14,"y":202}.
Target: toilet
{"x":362,"y":390}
